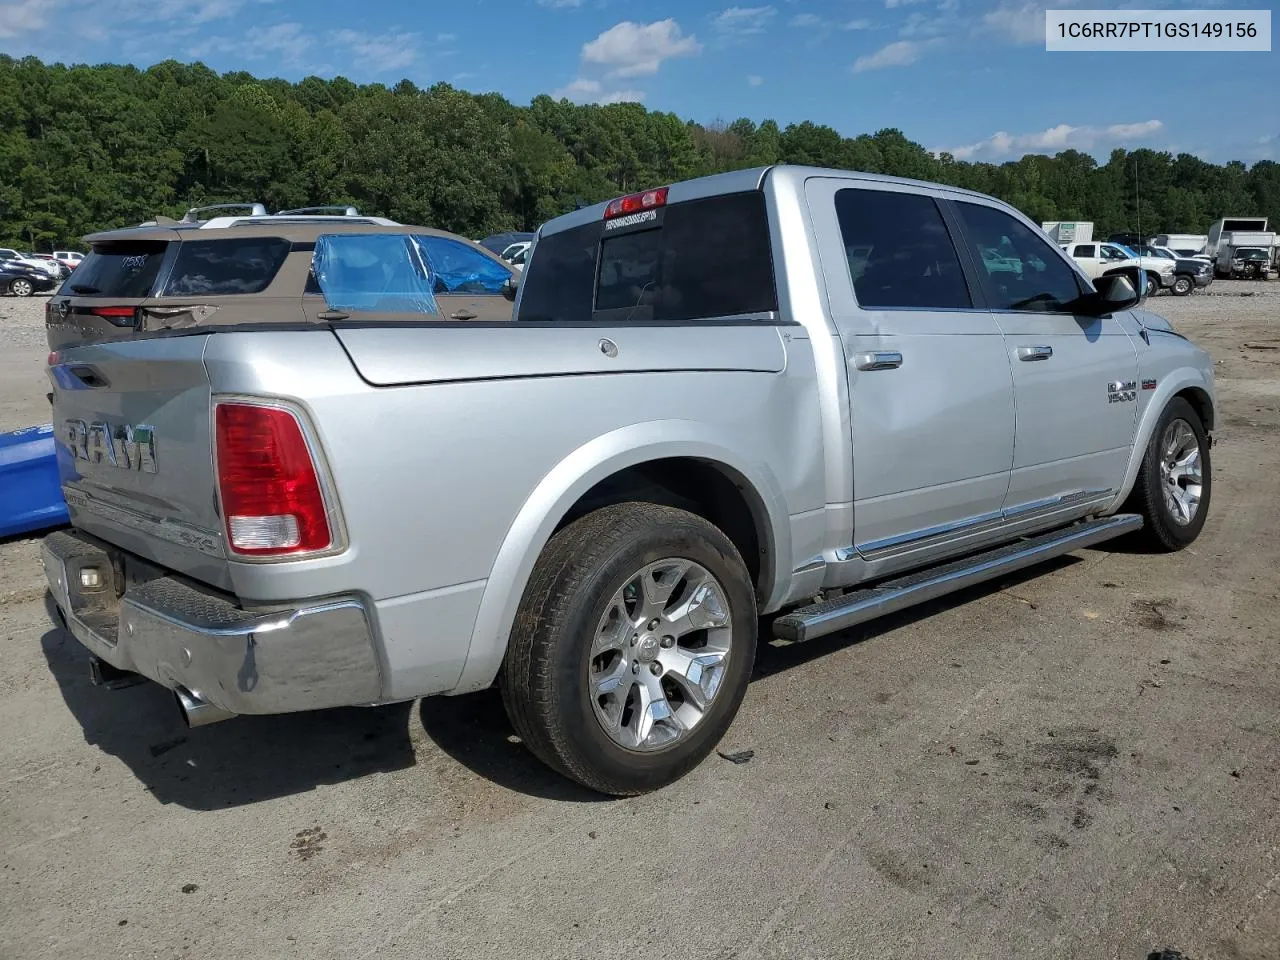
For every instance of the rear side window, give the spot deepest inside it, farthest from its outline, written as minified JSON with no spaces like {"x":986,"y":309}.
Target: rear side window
{"x":119,"y":269}
{"x":899,"y":251}
{"x":703,"y":259}
{"x":221,"y":267}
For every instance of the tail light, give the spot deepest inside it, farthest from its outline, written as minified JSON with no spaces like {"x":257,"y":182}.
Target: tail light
{"x":272,"y":501}
{"x":636,"y":202}
{"x":120,"y":316}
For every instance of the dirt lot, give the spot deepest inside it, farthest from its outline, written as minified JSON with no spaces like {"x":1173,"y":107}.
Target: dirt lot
{"x":1080,"y":764}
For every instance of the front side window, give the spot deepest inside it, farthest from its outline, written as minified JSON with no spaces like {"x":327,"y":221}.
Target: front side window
{"x":1114,"y":253}
{"x":373,"y":272}
{"x":459,"y":269}
{"x":1037,"y":278}
{"x":900,"y":253}
{"x":222,"y":267}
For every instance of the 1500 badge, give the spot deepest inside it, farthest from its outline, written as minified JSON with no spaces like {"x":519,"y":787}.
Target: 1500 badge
{"x":126,"y":447}
{"x":1122,"y":391}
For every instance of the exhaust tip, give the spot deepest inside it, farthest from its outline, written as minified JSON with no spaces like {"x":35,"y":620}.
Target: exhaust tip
{"x":197,"y":711}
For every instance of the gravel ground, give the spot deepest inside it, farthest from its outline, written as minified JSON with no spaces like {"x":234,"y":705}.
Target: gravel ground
{"x":1084,"y":763}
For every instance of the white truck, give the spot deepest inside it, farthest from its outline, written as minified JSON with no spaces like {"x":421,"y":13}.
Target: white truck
{"x":1245,"y":254}
{"x":1230,"y":225}
{"x":1068,"y":231}
{"x":1099,"y":258}
{"x":1186,"y":245}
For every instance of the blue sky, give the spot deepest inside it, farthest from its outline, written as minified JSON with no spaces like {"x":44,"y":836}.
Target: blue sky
{"x":970,"y":76}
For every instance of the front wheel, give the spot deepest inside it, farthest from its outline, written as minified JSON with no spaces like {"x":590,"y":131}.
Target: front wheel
{"x":1182,"y":285}
{"x":1153,"y":284}
{"x":1175,"y":479}
{"x":21,"y":288}
{"x":632,"y":647}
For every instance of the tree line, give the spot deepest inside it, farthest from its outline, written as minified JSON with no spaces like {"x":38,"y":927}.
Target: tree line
{"x":86,"y":148}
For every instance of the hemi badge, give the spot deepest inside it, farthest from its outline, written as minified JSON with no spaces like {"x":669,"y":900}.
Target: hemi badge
{"x":1149,"y":384}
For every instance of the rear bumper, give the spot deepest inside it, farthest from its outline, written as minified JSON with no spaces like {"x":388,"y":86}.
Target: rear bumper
{"x":302,"y":657}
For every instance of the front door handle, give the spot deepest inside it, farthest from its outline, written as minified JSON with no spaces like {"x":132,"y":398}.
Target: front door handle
{"x":878,"y":360}
{"x":463,"y":314}
{"x":1034,"y":353}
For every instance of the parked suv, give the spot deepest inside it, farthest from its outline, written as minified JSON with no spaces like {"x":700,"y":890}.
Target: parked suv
{"x":810,"y":394}
{"x":267,"y":269}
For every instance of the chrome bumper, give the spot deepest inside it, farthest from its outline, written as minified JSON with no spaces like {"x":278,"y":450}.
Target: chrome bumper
{"x":196,"y":641}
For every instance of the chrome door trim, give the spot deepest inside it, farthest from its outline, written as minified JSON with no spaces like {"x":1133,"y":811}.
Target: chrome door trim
{"x":944,"y":534}
{"x":915,"y":539}
{"x":1049,"y":504}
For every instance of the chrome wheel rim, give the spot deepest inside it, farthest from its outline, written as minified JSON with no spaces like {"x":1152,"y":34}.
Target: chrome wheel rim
{"x":21,"y":288}
{"x":659,"y":654}
{"x":1180,"y":472}
{"x":1182,"y":284}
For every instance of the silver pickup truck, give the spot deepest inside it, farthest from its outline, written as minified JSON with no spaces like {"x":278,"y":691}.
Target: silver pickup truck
{"x":789,"y":397}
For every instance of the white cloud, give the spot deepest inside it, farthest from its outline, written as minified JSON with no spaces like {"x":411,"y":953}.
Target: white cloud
{"x":744,"y":20}
{"x":806,"y":20}
{"x":890,"y":4}
{"x":560,"y":4}
{"x":287,"y":42}
{"x":900,"y":53}
{"x":24,"y":16}
{"x":382,"y":52}
{"x":1055,"y":138}
{"x":633,"y":50}
{"x":753,"y":80}
{"x":587,"y":90}
{"x":856,"y":25}
{"x":1020,"y":21}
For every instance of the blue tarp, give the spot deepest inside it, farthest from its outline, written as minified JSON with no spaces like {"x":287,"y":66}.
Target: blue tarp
{"x":30,"y":489}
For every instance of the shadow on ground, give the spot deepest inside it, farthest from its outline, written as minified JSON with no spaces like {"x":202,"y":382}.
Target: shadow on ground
{"x":242,"y":761}
{"x":250,"y":759}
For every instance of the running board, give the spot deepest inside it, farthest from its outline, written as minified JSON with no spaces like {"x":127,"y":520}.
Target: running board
{"x":841,"y":613}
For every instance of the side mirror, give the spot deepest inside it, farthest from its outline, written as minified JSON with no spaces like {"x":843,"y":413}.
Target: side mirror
{"x":1118,"y":290}
{"x":511,"y":287}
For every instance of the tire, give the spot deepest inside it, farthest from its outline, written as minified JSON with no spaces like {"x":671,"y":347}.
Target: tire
{"x":1167,"y":529}
{"x":1183,"y":285}
{"x":21,"y":287}
{"x":569,"y":643}
{"x":1153,"y":284}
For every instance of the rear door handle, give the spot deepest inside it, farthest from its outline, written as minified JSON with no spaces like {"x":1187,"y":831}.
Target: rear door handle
{"x":1034,"y":353}
{"x":462,"y":315}
{"x":878,"y":360}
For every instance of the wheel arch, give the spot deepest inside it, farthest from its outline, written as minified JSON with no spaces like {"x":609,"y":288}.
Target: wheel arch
{"x":681,"y":463}
{"x":1187,"y":383}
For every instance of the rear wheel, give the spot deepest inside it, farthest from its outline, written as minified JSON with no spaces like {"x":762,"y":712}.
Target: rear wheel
{"x":1182,"y":285}
{"x":1175,"y":479}
{"x":21,"y":287}
{"x":1153,"y":284}
{"x":632,"y":647}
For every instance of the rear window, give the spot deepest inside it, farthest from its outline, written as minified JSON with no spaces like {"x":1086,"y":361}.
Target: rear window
{"x":221,"y":267}
{"x":119,"y":269}
{"x":704,"y":259}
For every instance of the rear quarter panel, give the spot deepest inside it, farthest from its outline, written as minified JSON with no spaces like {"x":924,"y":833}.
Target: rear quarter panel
{"x":450,"y":487}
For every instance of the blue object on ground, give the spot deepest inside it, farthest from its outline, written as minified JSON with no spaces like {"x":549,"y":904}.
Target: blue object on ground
{"x":30,"y":489}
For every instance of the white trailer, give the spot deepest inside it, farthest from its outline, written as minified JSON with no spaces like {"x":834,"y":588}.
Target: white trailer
{"x":1068,"y":231}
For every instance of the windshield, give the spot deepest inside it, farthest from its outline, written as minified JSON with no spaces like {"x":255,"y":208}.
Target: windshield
{"x":1251,"y":253}
{"x":1187,"y":253}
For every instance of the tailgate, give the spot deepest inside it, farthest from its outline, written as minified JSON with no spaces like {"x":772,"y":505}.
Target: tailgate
{"x":132,"y":420}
